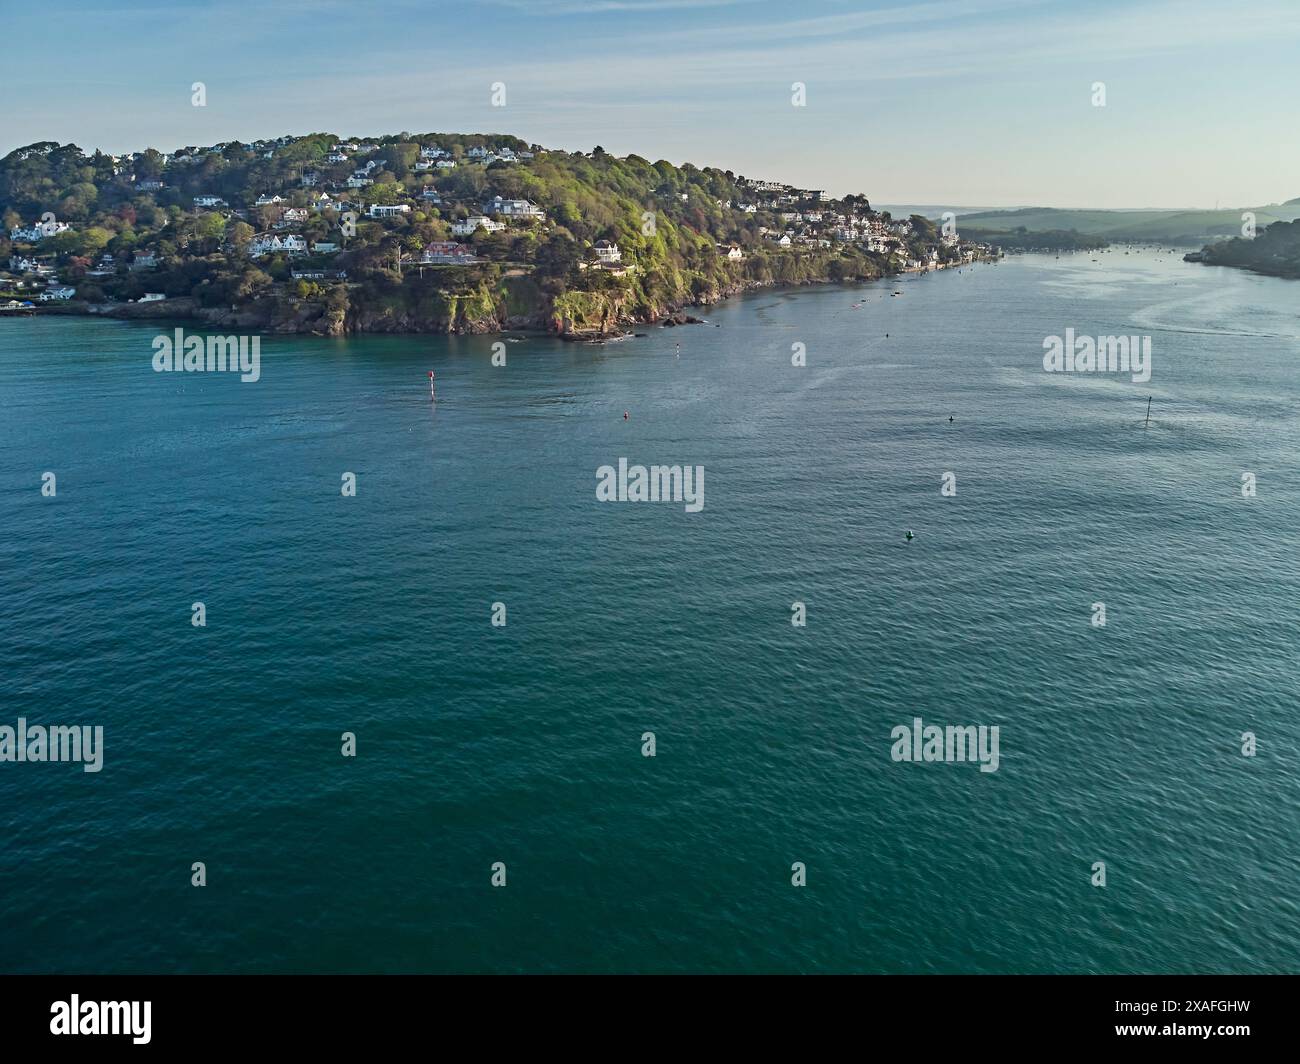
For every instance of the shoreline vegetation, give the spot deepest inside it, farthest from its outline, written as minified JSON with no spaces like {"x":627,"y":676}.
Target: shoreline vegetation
{"x":1274,"y":252}
{"x":426,"y":233}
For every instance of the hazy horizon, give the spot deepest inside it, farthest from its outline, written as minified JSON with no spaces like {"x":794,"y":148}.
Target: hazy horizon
{"x":946,"y":101}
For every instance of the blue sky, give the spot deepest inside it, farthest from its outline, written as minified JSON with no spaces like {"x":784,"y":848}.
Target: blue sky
{"x":945,"y":102}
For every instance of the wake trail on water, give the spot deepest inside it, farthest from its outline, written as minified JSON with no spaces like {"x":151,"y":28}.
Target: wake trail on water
{"x":1158,"y":316}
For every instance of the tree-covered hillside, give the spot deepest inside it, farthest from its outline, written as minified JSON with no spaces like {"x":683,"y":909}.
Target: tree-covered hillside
{"x":420,"y":232}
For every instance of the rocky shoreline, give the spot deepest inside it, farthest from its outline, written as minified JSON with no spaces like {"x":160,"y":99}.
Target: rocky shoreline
{"x":307,"y":320}
{"x":313,"y":318}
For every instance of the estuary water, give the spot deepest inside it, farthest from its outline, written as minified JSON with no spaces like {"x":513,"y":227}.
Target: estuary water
{"x":522,"y":744}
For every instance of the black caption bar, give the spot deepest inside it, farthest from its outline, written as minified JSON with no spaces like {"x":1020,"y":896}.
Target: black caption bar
{"x":338,"y":1013}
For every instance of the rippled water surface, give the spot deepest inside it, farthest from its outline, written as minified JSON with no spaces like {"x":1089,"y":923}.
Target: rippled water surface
{"x":522,"y":744}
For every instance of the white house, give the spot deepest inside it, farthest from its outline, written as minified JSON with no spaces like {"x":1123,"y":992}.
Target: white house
{"x":381,"y":210}
{"x":37,"y":232}
{"x":475,"y":222}
{"x":57,"y":291}
{"x":432,"y":153}
{"x":731,"y":252}
{"x":151,"y":297}
{"x":446,"y":164}
{"x":607,"y":252}
{"x":359,"y":180}
{"x":209,"y":201}
{"x":265,"y":200}
{"x":269,"y":244}
{"x":324,"y":247}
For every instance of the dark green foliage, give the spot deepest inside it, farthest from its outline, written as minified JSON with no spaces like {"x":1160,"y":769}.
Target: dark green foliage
{"x":1274,"y":251}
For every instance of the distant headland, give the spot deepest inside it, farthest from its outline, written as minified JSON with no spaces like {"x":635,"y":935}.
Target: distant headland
{"x":1274,"y":251}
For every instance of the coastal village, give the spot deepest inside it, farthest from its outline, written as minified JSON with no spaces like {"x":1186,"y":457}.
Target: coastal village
{"x":330,"y":211}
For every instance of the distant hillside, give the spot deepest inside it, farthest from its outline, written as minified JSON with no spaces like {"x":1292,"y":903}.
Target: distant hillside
{"x":1023,"y":239}
{"x":936,"y":211}
{"x":1193,"y":227}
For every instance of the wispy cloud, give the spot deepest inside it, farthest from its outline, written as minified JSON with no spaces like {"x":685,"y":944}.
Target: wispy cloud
{"x":551,"y":8}
{"x":897,"y":92}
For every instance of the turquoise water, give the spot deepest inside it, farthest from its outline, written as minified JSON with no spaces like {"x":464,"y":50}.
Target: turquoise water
{"x":522,"y":744}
